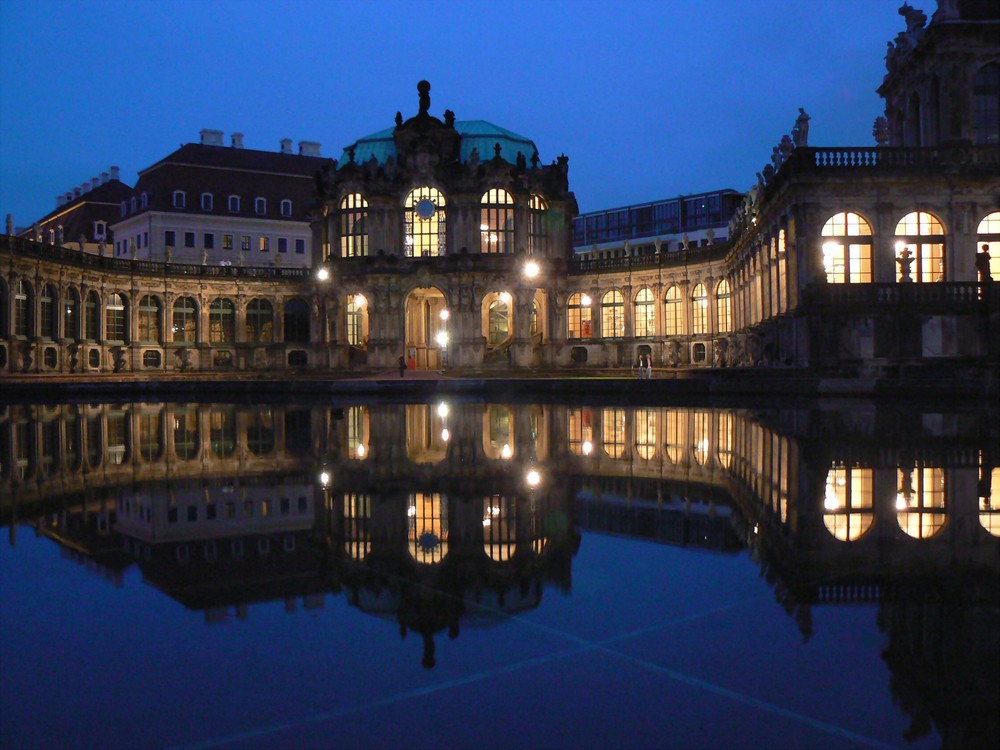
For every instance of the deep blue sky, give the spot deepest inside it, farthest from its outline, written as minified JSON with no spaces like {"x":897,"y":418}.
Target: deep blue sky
{"x":648,"y":99}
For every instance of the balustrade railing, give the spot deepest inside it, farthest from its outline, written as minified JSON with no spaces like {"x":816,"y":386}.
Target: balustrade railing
{"x":847,"y":296}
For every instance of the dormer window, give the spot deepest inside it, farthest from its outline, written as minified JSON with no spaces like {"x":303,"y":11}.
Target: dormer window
{"x":286,"y":207}
{"x":133,"y":204}
{"x":180,"y":200}
{"x":100,"y":230}
{"x":234,"y":203}
{"x":206,"y":202}
{"x":260,"y":206}
{"x":124,"y":208}
{"x":145,"y":200}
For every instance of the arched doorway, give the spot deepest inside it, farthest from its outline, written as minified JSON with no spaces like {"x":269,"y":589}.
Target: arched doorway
{"x":426,"y":332}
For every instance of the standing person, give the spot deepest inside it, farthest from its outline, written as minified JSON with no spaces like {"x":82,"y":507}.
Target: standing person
{"x":649,"y":366}
{"x":402,"y":365}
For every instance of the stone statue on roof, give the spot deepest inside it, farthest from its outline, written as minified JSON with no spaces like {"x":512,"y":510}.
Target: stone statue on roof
{"x":800,"y":131}
{"x":424,"y":89}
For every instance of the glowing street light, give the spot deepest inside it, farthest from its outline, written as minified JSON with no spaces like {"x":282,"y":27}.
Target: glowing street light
{"x":444,"y":314}
{"x":532,"y":269}
{"x":442,"y":339}
{"x":323,"y":274}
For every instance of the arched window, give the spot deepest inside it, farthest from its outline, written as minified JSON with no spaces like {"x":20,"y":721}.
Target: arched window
{"x":260,"y":206}
{"x":116,"y":319}
{"x":847,"y":261}
{"x":986,"y":106}
{"x":699,"y":310}
{"x":672,"y":308}
{"x":920,"y":241}
{"x":353,"y":226}
{"x":920,"y":507}
{"x":222,"y":428}
{"x":47,"y":320}
{"x":848,"y":501}
{"x":234,"y":203}
{"x":92,"y":316}
{"x":989,"y":235}
{"x":150,"y":435}
{"x":296,"y":322}
{"x":538,"y":231}
{"x":356,"y":335}
{"x":180,"y":199}
{"x":428,"y":527}
{"x":645,"y":313}
{"x":221,"y":321}
{"x":424,"y":220}
{"x":207,"y":201}
{"x":71,"y":315}
{"x":496,"y":224}
{"x":499,"y":319}
{"x":613,"y":315}
{"x":645,"y":433}
{"x":150,"y":317}
{"x":578,"y":320}
{"x":613,"y":431}
{"x":24,"y":305}
{"x":260,"y":322}
{"x":185,"y":326}
{"x":724,"y":307}
{"x":286,"y":207}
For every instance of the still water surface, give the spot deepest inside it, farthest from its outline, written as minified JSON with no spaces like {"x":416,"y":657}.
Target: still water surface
{"x":469,"y":575}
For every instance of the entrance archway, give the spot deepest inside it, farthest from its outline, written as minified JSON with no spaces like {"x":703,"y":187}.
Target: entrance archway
{"x":426,"y":329}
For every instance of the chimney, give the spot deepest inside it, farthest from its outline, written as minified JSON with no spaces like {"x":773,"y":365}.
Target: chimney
{"x":286,"y":145}
{"x":95,"y":182}
{"x":308,"y":148}
{"x":60,"y":199}
{"x":85,"y":188}
{"x":67,"y":198}
{"x":76,"y":192}
{"x":114,"y":173}
{"x":237,"y":140}
{"x":211,"y":137}
{"x":104,"y":177}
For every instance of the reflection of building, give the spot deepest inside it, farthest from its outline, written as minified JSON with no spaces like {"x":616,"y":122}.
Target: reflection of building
{"x":449,"y":242}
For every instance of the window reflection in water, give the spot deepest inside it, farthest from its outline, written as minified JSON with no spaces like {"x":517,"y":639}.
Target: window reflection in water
{"x":428,"y":527}
{"x":920,"y":501}
{"x":847,"y":502}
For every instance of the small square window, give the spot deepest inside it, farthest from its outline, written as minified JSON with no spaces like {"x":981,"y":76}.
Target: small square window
{"x":245,"y":244}
{"x":300,"y":246}
{"x":282,"y":244}
{"x":209,"y":241}
{"x":227,"y":242}
{"x":265,"y":244}
{"x":189,"y":239}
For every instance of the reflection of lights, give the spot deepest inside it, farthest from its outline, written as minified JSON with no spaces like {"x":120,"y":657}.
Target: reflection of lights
{"x":505,"y":297}
{"x":585,"y":300}
{"x":442,"y":410}
{"x":444,"y":314}
{"x":830,"y":500}
{"x":441,"y":338}
{"x":324,"y":478}
{"x":587,"y":447}
{"x":359,"y":300}
{"x":323,"y":274}
{"x":531,"y":269}
{"x":756,"y":529}
{"x":702,"y":446}
{"x":506,"y":452}
{"x":445,"y":435}
{"x":484,"y":227}
{"x":533,"y":478}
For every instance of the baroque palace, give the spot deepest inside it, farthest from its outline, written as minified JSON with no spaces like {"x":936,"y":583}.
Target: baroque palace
{"x":450,"y":243}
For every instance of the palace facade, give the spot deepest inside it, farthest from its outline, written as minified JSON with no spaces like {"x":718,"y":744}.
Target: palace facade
{"x":451,"y":244}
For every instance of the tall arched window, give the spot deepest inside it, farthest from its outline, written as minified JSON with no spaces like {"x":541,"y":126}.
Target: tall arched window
{"x":24,"y":304}
{"x":221,"y":321}
{"x":538,"y":231}
{"x":116,"y":319}
{"x":71,"y":315}
{"x":986,"y":106}
{"x":150,"y":317}
{"x":496,"y":223}
{"x":848,"y":501}
{"x":645,"y":313}
{"x":699,"y":310}
{"x":185,"y":324}
{"x":428,"y":527}
{"x":92,"y":316}
{"x":260,"y":322}
{"x":920,"y":239}
{"x":353,"y":226}
{"x":578,"y":317}
{"x":920,"y":500}
{"x":356,"y":335}
{"x":645,"y":433}
{"x":613,"y":431}
{"x":989,"y":235}
{"x":847,"y":261}
{"x":672,"y":309}
{"x":499,"y":319}
{"x":296,"y":321}
{"x":47,"y":320}
{"x":613,"y":315}
{"x":424,"y":220}
{"x":724,"y":307}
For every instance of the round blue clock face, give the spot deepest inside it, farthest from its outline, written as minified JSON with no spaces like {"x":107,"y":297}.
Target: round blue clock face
{"x":426,"y":208}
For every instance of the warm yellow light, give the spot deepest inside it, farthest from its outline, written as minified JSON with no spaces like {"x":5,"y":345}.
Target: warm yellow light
{"x":359,"y":300}
{"x":533,"y":478}
{"x":900,"y":247}
{"x":505,"y":297}
{"x":585,"y":300}
{"x":442,"y":410}
{"x":442,"y":339}
{"x":323,"y":274}
{"x":324,"y":478}
{"x":506,"y":452}
{"x":587,"y":447}
{"x":362,"y":450}
{"x":445,"y":435}
{"x":484,"y":227}
{"x":900,"y":501}
{"x":445,"y":314}
{"x":531,"y":269}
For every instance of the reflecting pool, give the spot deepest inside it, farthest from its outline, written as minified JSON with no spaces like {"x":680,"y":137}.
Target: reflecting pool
{"x":464,"y":574}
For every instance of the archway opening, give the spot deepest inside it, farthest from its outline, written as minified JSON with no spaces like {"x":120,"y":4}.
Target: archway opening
{"x":427,"y":333}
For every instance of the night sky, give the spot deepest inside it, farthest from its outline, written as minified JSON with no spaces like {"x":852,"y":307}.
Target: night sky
{"x":649,"y":100}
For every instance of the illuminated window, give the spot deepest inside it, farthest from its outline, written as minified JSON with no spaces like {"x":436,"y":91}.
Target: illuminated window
{"x":920,"y":507}
{"x":848,"y":502}
{"x":221,"y":321}
{"x":672,"y":310}
{"x":847,"y":249}
{"x":353,"y":226}
{"x":989,"y":235}
{"x":357,"y":522}
{"x":265,"y":244}
{"x":497,"y":439}
{"x":118,"y":438}
{"x":47,"y":319}
{"x":222,"y":430}
{"x":424,"y":220}
{"x":645,"y":433}
{"x":645,"y":313}
{"x":116,"y":321}
{"x":782,"y":273}
{"x":986,"y":105}
{"x":920,"y":236}
{"x":227,"y":242}
{"x":260,"y":322}
{"x":356,"y":305}
{"x":613,"y":432}
{"x":580,"y":431}
{"x":989,"y":501}
{"x":538,"y":236}
{"x":185,"y":319}
{"x":699,"y":310}
{"x":23,"y":308}
{"x":675,"y":436}
{"x":499,"y":527}
{"x":613,"y":315}
{"x":578,"y":318}
{"x":724,"y":307}
{"x":71,"y":315}
{"x":428,"y":528}
{"x":150,"y":432}
{"x":260,"y":206}
{"x":150,"y":316}
{"x":186,"y":438}
{"x":499,"y":320}
{"x":496,"y":225}
{"x":92,"y":316}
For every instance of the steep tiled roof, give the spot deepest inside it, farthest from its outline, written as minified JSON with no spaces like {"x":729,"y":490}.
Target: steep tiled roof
{"x":77,"y":216}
